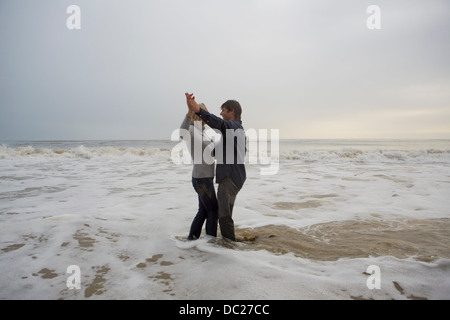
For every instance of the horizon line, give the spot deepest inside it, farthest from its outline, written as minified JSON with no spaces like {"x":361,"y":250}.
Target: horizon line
{"x":156,"y":139}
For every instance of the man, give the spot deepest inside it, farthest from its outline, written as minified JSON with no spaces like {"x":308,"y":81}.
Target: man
{"x":230,"y":169}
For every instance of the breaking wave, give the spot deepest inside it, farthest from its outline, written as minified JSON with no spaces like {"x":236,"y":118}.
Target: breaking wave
{"x":367,"y":156}
{"x":344,"y":155}
{"x":80,"y":152}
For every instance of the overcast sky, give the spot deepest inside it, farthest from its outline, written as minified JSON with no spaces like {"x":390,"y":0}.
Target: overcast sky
{"x":311,"y":68}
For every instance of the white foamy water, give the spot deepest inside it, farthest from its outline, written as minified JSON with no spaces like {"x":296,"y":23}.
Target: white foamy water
{"x":121,"y":209}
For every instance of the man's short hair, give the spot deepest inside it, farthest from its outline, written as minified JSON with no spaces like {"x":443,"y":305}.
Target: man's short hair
{"x":233,"y":105}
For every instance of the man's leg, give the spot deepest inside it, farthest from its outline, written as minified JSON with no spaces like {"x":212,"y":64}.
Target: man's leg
{"x":226,"y":195}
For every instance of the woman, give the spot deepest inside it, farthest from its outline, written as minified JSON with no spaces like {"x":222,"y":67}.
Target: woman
{"x":202,"y":178}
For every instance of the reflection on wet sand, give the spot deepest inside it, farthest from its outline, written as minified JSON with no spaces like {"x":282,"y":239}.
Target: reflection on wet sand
{"x":424,"y":239}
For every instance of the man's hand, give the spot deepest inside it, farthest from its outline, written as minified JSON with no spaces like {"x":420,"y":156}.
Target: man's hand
{"x":191,"y":103}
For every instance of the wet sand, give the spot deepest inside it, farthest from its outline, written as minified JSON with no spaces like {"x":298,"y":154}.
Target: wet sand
{"x":423,"y":239}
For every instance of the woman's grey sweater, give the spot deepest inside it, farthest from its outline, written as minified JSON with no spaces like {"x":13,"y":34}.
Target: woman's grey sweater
{"x":202,"y":170}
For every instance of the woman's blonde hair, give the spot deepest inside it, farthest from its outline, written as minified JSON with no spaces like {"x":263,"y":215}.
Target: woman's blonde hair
{"x":196,"y":117}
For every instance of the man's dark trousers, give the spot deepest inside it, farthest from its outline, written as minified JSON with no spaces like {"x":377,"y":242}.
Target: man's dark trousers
{"x":226,"y":195}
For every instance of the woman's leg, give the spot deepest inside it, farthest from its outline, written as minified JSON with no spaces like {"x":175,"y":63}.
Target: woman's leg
{"x":199,"y":219}
{"x":197,"y":223}
{"x":208,"y":206}
{"x":212,"y":207}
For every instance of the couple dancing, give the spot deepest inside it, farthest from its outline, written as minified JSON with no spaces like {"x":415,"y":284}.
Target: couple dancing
{"x":230,"y":172}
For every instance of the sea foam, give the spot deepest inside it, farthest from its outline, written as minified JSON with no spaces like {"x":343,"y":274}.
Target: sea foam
{"x":121,"y":212}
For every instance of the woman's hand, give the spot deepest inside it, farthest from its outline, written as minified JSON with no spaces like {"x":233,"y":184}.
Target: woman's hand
{"x":191,"y":103}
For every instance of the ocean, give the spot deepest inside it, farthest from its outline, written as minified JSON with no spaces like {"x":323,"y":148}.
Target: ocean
{"x":316,"y":227}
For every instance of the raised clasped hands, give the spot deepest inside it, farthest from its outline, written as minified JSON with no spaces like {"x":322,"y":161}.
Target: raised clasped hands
{"x":191,"y":103}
